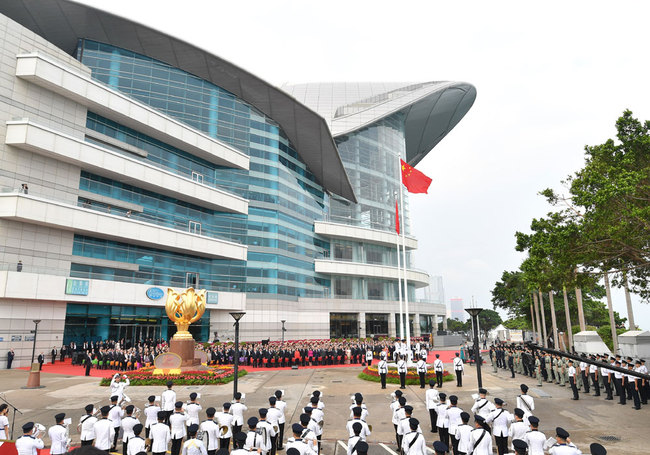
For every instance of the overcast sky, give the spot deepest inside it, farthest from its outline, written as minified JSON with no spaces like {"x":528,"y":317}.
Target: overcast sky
{"x":551,"y":77}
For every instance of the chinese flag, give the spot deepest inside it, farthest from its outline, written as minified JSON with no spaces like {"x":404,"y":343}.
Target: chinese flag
{"x":396,"y":218}
{"x":414,"y":180}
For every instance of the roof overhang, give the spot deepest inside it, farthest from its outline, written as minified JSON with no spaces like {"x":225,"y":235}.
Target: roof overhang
{"x":63,"y":22}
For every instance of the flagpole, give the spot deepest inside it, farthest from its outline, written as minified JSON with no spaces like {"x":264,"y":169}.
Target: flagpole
{"x":399,"y":276}
{"x":406,"y":289}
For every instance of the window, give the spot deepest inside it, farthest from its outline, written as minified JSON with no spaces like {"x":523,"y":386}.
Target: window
{"x":343,"y":252}
{"x":343,"y":287}
{"x":197,"y":177}
{"x":195,"y":227}
{"x":192,"y":280}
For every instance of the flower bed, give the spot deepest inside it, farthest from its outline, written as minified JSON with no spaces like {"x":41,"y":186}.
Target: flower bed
{"x":412,"y":377}
{"x":215,"y":375}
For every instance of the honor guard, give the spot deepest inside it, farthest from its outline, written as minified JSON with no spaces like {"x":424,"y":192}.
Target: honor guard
{"x":167,"y":401}
{"x":115,"y":415}
{"x":273,"y":416}
{"x":281,"y":406}
{"x":440,"y":448}
{"x":59,"y":436}
{"x":316,"y":393}
{"x":225,"y":422}
{"x":237,"y":410}
{"x":443,"y":422}
{"x":401,"y":369}
{"x":482,"y":406}
{"x":238,"y":441}
{"x":525,"y":402}
{"x":421,"y":367}
{"x":354,"y":439}
{"x":160,"y":435}
{"x":266,"y":431}
{"x":432,"y":402}
{"x":210,"y":429}
{"x":128,"y":423}
{"x":87,"y":426}
{"x":118,"y":385}
{"x":365,"y":430}
{"x":500,"y":419}
{"x":563,"y":445}
{"x":480,"y":438}
{"x":459,"y":370}
{"x":413,"y":442}
{"x":438,"y":368}
{"x":453,"y":420}
{"x":253,"y":439}
{"x":104,"y":431}
{"x":358,"y":403}
{"x":518,"y":428}
{"x":314,"y":424}
{"x":403,"y":426}
{"x":192,"y":409}
{"x":308,"y":434}
{"x":27,"y":444}
{"x":382,"y":368}
{"x":297,"y":443}
{"x":151,"y":410}
{"x":369,"y":356}
{"x":177,"y":426}
{"x":463,"y":433}
{"x":193,"y":446}
{"x":136,"y":444}
{"x":535,"y":438}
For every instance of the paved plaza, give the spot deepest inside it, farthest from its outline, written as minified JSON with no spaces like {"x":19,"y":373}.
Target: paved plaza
{"x":588,"y":420}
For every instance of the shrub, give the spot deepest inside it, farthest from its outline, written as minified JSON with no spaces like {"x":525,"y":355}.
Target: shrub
{"x":412,"y":377}
{"x":212,"y":376}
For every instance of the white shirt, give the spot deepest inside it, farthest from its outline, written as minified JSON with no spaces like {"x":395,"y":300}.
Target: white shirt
{"x":405,"y":427}
{"x":135,"y":445}
{"x":309,"y":437}
{"x":117,"y":388}
{"x":168,"y":400}
{"x":253,"y":441}
{"x":318,"y":417}
{"x":480,"y":448}
{"x":442,"y":421}
{"x":462,"y":435}
{"x":564,"y":449}
{"x":59,"y":439}
{"x":274,"y":415}
{"x":127,"y":428}
{"x":368,"y":354}
{"x":194,"y":447}
{"x":527,"y":404}
{"x":421,"y":366}
{"x":302,"y":446}
{"x":266,"y":432}
{"x":151,"y":413}
{"x":501,"y":419}
{"x":437,"y":365}
{"x":571,"y":372}
{"x":417,"y":443}
{"x":87,"y":423}
{"x":398,"y":415}
{"x":281,"y":406}
{"x":237,"y":410}
{"x":4,"y":423}
{"x":27,"y":445}
{"x":535,"y":440}
{"x":177,"y":422}
{"x":483,"y":407}
{"x":160,"y":436}
{"x":458,"y":364}
{"x":517,"y":431}
{"x":365,"y":431}
{"x":401,"y":366}
{"x":224,"y":420}
{"x":364,"y":412}
{"x":382,"y":367}
{"x":453,"y":418}
{"x":192,"y":410}
{"x":115,"y":415}
{"x":211,"y":429}
{"x":104,"y":434}
{"x":432,"y":398}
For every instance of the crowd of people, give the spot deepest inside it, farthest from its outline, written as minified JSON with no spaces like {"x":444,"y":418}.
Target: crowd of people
{"x":591,"y":373}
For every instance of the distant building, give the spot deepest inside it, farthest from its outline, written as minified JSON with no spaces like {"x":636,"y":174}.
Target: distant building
{"x":457,"y":309}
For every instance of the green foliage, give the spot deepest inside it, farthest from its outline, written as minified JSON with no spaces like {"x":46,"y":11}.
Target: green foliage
{"x":518,"y":323}
{"x":455,"y":325}
{"x":605,"y":333}
{"x":393,"y":380}
{"x":488,"y":320}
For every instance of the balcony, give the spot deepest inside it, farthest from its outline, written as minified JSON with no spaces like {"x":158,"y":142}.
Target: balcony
{"x":419,"y":278}
{"x":59,"y":215}
{"x":366,"y":235}
{"x":35,"y":138}
{"x":52,"y":74}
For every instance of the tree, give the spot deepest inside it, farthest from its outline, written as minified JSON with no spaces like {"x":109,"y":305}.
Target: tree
{"x":488,"y":320}
{"x":454,"y":325}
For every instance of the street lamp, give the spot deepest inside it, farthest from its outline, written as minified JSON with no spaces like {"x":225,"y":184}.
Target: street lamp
{"x":283,"y":329}
{"x":236,"y":316}
{"x":35,"y":331}
{"x":34,"y":379}
{"x":477,"y":354}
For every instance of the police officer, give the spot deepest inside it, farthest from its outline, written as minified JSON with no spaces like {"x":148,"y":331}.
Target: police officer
{"x":401,"y":369}
{"x":104,"y":431}
{"x":572,"y":380}
{"x":58,"y":436}
{"x":459,"y":369}
{"x":27,"y":444}
{"x":438,"y":368}
{"x":160,"y":435}
{"x":422,"y":371}
{"x":382,"y":368}
{"x":563,"y":445}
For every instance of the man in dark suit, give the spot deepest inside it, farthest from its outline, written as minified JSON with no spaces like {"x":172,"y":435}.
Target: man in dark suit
{"x":10,"y":358}
{"x":41,"y":360}
{"x":53,"y":354}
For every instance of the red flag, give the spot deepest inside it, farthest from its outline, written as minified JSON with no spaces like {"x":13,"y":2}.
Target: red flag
{"x":396,"y":217}
{"x":414,"y":180}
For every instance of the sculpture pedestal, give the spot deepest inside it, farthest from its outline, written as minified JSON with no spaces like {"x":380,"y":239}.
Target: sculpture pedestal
{"x":185,"y":349}
{"x":34,"y":379}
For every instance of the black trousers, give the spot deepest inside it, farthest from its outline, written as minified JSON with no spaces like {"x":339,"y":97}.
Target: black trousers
{"x":594,"y":383}
{"x":176,"y":446}
{"x":274,"y":442}
{"x":608,"y":389}
{"x":124,"y":447}
{"x":224,"y":443}
{"x":382,"y":378}
{"x":88,"y":442}
{"x":459,"y":378}
{"x":236,"y":429}
{"x":433,"y":416}
{"x":631,"y":387}
{"x":210,"y":452}
{"x":439,"y":378}
{"x":585,"y":381}
{"x":572,"y":383}
{"x":454,"y":444}
{"x":502,"y":444}
{"x":281,"y":436}
{"x":402,"y":380}
{"x":444,"y":435}
{"x":116,"y":437}
{"x":619,"y":388}
{"x":422,"y":378}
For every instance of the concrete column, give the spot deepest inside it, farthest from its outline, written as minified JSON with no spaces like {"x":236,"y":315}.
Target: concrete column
{"x":392,"y":332}
{"x":103,"y":323}
{"x":416,"y":325}
{"x":444,"y":322}
{"x":362,"y":325}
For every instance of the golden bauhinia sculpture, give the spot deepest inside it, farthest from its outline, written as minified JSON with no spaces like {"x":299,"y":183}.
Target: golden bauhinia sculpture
{"x":184,"y":309}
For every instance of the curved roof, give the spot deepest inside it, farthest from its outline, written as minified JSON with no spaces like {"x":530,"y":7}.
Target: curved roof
{"x":63,"y":22}
{"x":432,"y":109}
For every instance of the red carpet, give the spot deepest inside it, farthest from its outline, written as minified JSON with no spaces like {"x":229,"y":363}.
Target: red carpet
{"x":68,"y":369}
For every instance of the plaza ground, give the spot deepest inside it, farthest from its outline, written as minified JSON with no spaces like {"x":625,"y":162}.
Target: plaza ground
{"x":588,"y":420}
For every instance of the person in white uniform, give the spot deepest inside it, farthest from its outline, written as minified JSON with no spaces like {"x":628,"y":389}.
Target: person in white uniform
{"x":299,"y":444}
{"x":443,"y":422}
{"x":564,"y":446}
{"x":483,"y":406}
{"x":225,"y":422}
{"x":167,"y":400}
{"x":210,"y":430}
{"x":4,"y":421}
{"x":193,"y":446}
{"x":192,"y":409}
{"x":118,"y":385}
{"x":115,"y":415}
{"x":459,"y":370}
{"x":253,"y":439}
{"x":500,"y":419}
{"x":438,"y":367}
{"x":160,"y":435}
{"x":413,"y":442}
{"x":525,"y":402}
{"x":266,"y":431}
{"x":237,"y":410}
{"x":421,"y":368}
{"x":28,"y":444}
{"x":535,"y":438}
{"x":282,"y":420}
{"x":432,"y":401}
{"x":104,"y":431}
{"x":87,"y":426}
{"x":365,"y":432}
{"x":518,"y":428}
{"x":59,"y":436}
{"x":463,"y":433}
{"x":177,"y":425}
{"x":151,"y":410}
{"x":354,"y":439}
{"x":480,"y":440}
{"x":128,"y":423}
{"x":453,"y":420}
{"x":136,"y":444}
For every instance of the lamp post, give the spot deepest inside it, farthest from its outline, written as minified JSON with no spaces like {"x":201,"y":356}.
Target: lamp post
{"x":477,"y":354}
{"x":34,"y":379}
{"x":283,"y":329}
{"x":35,"y":331}
{"x":236,"y":316}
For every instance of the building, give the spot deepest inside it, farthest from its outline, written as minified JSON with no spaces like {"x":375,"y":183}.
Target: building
{"x":132,"y":161}
{"x":457,"y":309}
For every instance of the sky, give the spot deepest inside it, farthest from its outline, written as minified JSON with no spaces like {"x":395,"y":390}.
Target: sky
{"x":551,"y":77}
